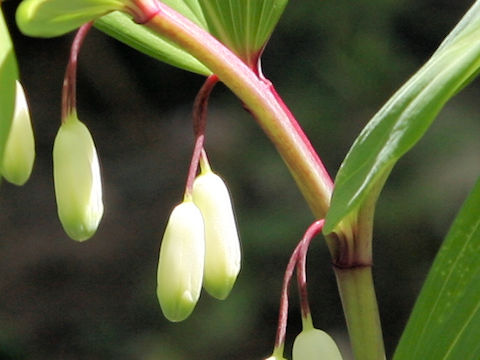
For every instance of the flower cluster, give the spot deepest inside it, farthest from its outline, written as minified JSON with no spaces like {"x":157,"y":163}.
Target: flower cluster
{"x":200,"y":246}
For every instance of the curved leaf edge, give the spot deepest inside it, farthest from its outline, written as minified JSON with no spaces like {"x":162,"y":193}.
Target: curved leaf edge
{"x":425,"y":89}
{"x":121,"y":27}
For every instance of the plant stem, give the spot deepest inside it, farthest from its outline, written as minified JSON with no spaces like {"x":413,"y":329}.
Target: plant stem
{"x":200,"y":108}
{"x":69,"y":90}
{"x":283,"y":310}
{"x":260,"y":98}
{"x":361,"y":312}
{"x":312,"y":231}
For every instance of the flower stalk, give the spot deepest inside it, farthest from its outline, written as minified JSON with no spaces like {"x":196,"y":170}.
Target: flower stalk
{"x":260,"y":98}
{"x":312,"y":231}
{"x":297,"y":260}
{"x":200,"y":108}
{"x":69,"y":91}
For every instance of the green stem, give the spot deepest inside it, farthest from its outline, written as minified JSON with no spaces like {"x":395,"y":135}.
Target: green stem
{"x":361,"y":312}
{"x":261,"y":100}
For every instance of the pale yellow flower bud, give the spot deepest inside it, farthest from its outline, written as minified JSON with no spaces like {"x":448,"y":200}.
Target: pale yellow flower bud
{"x":19,"y":151}
{"x":222,"y":252}
{"x":180,"y":265}
{"x":78,"y":186}
{"x":314,"y":344}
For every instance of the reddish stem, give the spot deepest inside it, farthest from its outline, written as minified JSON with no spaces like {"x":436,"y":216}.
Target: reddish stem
{"x":143,"y":10}
{"x":298,"y":260}
{"x":69,"y":90}
{"x":283,"y":310}
{"x":312,"y":231}
{"x":200,"y":107}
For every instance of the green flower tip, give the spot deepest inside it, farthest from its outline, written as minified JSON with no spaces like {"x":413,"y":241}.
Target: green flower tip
{"x":78,"y":186}
{"x":19,"y":150}
{"x":222,"y":258}
{"x":49,"y":18}
{"x":314,"y":344}
{"x":273,"y":357}
{"x":181,"y":261}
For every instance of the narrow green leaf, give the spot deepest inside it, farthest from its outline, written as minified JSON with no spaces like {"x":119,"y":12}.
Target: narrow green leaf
{"x":402,"y":122}
{"x":49,"y":18}
{"x":445,"y":323}
{"x":8,"y":77}
{"x":122,"y":28}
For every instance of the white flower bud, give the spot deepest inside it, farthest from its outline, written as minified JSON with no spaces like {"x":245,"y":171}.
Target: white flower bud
{"x":19,"y":151}
{"x":180,"y":265}
{"x":78,"y":186}
{"x":314,"y":344}
{"x":222,"y":252}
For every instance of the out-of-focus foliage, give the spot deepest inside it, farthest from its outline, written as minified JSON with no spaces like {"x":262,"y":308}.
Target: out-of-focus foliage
{"x":335,"y":63}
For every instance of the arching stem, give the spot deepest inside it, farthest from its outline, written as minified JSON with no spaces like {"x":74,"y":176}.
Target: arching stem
{"x":200,"y":107}
{"x":69,"y":90}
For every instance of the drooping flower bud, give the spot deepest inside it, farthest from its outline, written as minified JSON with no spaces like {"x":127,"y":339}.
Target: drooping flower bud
{"x":19,"y":151}
{"x":222,"y":252}
{"x":8,"y":77}
{"x":180,"y":265}
{"x":314,"y":344}
{"x":78,"y":185}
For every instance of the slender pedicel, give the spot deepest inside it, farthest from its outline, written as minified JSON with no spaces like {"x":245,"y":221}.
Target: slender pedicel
{"x":200,"y":108}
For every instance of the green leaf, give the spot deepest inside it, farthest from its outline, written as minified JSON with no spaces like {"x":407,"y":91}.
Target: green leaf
{"x":8,"y":77}
{"x":122,"y":28}
{"x":48,"y":18}
{"x":402,"y":122}
{"x":243,"y":25}
{"x":445,"y":323}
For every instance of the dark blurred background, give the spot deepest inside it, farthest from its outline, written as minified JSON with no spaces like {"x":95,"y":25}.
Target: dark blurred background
{"x":335,"y":63}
